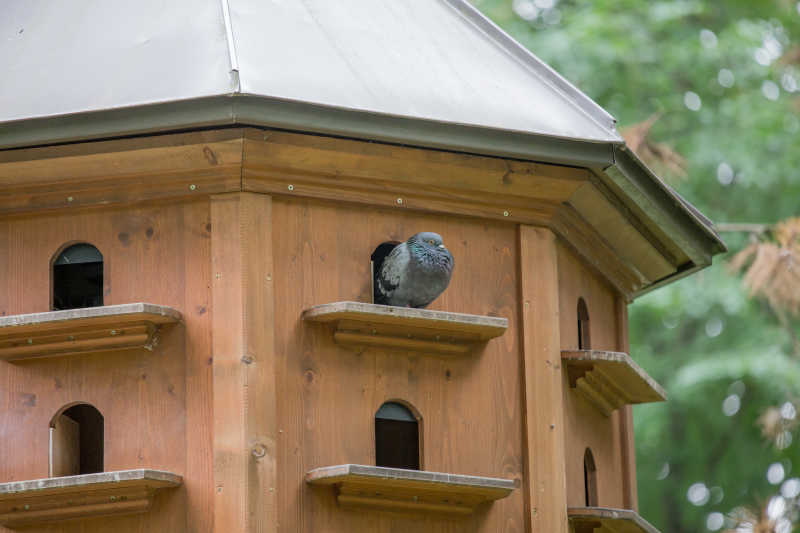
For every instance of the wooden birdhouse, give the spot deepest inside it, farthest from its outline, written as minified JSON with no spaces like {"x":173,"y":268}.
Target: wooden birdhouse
{"x":194,"y":201}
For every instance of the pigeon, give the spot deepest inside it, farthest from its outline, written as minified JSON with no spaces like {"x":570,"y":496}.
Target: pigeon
{"x":415,"y":272}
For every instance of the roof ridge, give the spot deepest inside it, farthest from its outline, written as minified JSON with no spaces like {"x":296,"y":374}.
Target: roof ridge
{"x":529,"y":60}
{"x":231,"y":42}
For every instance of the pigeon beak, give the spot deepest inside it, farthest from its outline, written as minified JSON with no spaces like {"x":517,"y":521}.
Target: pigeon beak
{"x":441,"y":246}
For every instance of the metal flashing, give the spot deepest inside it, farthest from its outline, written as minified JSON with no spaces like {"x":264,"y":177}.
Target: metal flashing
{"x":536,"y":65}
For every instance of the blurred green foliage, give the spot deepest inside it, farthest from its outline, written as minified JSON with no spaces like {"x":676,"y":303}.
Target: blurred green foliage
{"x":703,"y":338}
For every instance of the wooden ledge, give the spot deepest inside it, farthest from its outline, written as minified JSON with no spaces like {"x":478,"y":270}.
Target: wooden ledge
{"x":587,"y":519}
{"x":27,"y":503}
{"x":406,"y":328}
{"x":610,"y":380}
{"x":394,"y":489}
{"x":72,"y":331}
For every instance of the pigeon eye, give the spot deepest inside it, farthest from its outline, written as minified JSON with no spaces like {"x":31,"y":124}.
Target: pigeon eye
{"x":430,"y":241}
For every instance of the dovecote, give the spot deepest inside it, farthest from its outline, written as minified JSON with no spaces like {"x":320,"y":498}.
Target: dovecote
{"x":244,"y":167}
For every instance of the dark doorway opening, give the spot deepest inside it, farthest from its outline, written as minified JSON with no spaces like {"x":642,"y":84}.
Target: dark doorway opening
{"x":590,"y":479}
{"x":78,"y":278}
{"x":76,"y":441}
{"x":396,"y":437}
{"x":584,"y":338}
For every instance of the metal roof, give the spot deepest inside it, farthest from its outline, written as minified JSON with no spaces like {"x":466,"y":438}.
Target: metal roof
{"x":434,"y":60}
{"x":428,"y":73}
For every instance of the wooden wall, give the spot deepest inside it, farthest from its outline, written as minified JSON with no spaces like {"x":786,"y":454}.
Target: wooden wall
{"x":156,"y":405}
{"x":328,"y":395}
{"x":586,"y":427}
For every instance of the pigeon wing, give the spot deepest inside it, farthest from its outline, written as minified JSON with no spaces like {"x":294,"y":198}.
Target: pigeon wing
{"x":392,"y":273}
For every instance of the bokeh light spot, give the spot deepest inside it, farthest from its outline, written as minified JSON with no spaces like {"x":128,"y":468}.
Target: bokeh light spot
{"x":776,"y":507}
{"x":715,"y":521}
{"x":692,"y":100}
{"x":724,"y":173}
{"x":708,"y":38}
{"x":698,"y":494}
{"x":714,"y":327}
{"x":726,"y":78}
{"x":731,"y":405}
{"x":770,"y":90}
{"x":790,"y":488}
{"x":775,"y":473}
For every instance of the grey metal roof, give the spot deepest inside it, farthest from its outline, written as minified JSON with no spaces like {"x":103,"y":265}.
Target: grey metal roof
{"x":433,"y":60}
{"x":429,"y":73}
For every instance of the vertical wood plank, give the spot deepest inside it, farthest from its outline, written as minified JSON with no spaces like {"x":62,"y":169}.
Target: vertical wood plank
{"x":66,"y":445}
{"x":544,"y":428}
{"x":199,"y":478}
{"x":243,"y":363}
{"x":629,"y":488}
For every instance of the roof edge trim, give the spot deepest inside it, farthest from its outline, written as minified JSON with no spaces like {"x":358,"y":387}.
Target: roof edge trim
{"x":560,"y":84}
{"x":247,"y":110}
{"x":653,"y":190}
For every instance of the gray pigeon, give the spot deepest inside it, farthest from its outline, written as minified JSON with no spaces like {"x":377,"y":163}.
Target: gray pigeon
{"x":415,"y":272}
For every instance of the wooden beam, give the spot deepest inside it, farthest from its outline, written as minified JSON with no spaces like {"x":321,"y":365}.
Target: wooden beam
{"x":245,"y":401}
{"x":589,"y":244}
{"x":623,"y":235}
{"x":630,"y":495}
{"x":405,"y":178}
{"x":545,"y":470}
{"x":120,"y":171}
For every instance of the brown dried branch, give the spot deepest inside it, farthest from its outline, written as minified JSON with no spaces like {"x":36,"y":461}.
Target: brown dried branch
{"x":773,"y":267}
{"x":659,"y":156}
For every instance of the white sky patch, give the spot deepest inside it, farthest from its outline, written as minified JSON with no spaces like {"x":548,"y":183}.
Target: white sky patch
{"x":788,"y":411}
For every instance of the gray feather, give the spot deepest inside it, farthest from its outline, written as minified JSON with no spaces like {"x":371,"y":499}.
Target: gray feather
{"x":415,"y":272}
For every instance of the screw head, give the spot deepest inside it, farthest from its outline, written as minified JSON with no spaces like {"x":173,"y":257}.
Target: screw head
{"x":505,"y":213}
{"x":290,"y":187}
{"x":399,"y":201}
{"x":192,"y":187}
{"x":70,"y":198}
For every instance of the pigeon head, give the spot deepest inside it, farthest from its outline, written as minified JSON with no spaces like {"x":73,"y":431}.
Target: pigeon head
{"x":428,"y":240}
